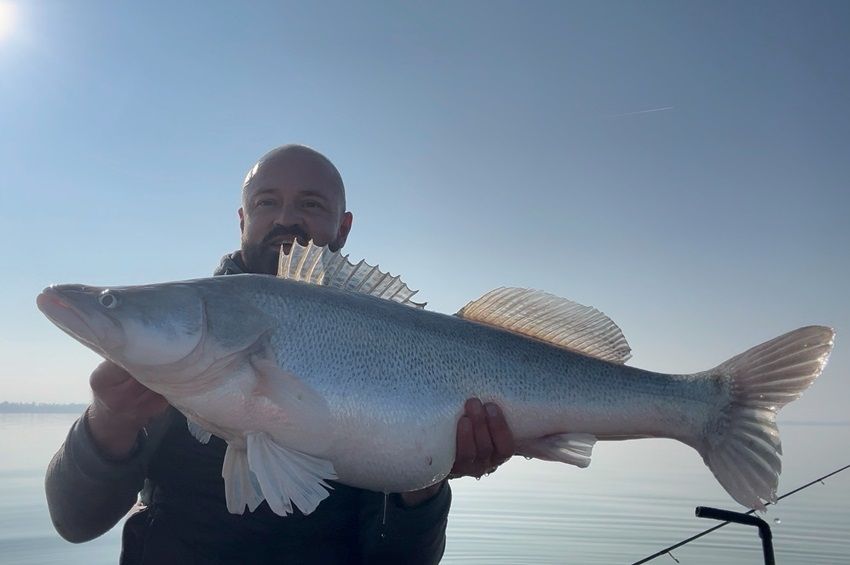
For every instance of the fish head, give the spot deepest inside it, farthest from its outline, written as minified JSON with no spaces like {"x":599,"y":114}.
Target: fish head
{"x":162,"y":334}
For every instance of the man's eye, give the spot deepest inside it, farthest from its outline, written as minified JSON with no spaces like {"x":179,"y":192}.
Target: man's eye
{"x":311,"y":204}
{"x":264,"y":202}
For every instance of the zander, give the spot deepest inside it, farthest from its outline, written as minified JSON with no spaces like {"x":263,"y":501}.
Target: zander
{"x":331,"y":371}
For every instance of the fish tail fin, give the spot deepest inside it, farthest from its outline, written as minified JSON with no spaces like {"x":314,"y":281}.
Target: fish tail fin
{"x":741,"y":446}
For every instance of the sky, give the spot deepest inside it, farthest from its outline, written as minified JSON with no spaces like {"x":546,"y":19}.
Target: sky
{"x":682,"y":166}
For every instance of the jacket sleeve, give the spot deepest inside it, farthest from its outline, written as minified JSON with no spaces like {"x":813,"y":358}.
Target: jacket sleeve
{"x":87,"y":492}
{"x":403,"y":535}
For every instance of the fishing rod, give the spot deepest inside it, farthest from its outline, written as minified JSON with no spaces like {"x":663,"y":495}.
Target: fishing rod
{"x":667,"y":550}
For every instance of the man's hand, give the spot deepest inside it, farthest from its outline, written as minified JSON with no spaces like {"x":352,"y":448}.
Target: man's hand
{"x":484,"y":442}
{"x":121,"y":408}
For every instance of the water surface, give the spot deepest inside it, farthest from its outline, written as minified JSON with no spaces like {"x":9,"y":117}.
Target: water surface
{"x":636,"y":498}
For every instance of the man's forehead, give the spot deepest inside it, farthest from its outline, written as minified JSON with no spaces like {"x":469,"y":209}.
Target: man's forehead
{"x":259,"y":190}
{"x":294,"y":170}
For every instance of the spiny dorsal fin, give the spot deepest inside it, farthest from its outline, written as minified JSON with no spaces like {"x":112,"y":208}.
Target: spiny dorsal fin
{"x":321,"y":266}
{"x":552,"y":319}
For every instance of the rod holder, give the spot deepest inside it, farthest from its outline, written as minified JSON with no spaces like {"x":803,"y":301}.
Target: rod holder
{"x":739,"y":518}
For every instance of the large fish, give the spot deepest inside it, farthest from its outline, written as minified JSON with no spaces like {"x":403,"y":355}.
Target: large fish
{"x":331,"y":371}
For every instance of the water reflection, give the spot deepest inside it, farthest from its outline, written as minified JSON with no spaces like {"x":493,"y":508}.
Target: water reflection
{"x":635,"y":499}
{"x":639,"y":497}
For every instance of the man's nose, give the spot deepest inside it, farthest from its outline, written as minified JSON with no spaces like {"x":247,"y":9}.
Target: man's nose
{"x":288,"y":216}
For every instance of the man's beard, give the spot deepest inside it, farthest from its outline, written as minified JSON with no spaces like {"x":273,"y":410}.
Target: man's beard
{"x":262,"y":258}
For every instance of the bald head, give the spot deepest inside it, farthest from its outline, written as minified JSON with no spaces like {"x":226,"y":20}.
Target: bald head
{"x":297,"y":162}
{"x":293,"y":192}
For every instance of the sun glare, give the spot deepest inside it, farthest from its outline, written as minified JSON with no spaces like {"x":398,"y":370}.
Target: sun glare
{"x":7,"y":19}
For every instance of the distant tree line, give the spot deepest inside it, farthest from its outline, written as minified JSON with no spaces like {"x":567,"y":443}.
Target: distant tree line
{"x":40,"y":408}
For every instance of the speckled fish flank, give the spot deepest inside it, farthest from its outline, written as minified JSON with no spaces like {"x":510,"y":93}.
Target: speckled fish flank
{"x":333,"y":372}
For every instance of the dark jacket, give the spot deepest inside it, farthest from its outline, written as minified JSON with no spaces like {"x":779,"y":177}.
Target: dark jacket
{"x":182,"y":516}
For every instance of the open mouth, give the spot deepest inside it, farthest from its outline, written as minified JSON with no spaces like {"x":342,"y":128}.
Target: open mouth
{"x":285,"y":245}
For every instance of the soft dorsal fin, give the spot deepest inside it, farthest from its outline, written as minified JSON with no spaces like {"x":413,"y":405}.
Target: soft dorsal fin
{"x":552,"y":319}
{"x":319,"y":265}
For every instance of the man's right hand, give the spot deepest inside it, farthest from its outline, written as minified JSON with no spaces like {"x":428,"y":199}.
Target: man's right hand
{"x":121,"y":408}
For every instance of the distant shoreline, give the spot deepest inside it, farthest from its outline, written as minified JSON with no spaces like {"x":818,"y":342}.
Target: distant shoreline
{"x":40,"y":408}
{"x":76,"y":408}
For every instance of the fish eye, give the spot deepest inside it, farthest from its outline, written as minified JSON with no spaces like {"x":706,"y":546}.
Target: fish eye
{"x":107,"y":299}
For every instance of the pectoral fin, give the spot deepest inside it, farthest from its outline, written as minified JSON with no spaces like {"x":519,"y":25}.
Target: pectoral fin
{"x":303,"y":416}
{"x":287,"y":476}
{"x":574,"y":449}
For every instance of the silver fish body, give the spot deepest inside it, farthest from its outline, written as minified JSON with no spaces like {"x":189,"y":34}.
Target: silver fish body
{"x":396,"y":380}
{"x":317,"y":383}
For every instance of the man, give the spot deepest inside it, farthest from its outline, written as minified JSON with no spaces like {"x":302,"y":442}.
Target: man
{"x":130,"y":438}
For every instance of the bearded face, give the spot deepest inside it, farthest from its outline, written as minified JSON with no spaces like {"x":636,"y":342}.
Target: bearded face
{"x":294,"y":194}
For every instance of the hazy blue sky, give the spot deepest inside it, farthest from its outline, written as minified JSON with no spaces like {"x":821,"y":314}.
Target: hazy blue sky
{"x":482,"y":144}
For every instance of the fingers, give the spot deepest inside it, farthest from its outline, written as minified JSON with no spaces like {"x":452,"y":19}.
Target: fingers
{"x":484,"y":440}
{"x":122,"y":396}
{"x":501,"y":436}
{"x":107,"y":375}
{"x":465,"y":444}
{"x":152,"y":400}
{"x":464,"y":464}
{"x":110,"y":379}
{"x":483,"y":443}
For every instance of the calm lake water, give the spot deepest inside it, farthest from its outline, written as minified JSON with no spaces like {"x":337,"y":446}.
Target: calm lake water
{"x":636,"y":498}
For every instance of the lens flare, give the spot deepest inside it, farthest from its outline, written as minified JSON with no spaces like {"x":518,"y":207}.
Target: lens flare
{"x":7,"y":19}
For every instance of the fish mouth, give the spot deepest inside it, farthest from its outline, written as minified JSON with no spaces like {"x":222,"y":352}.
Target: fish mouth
{"x":60,"y":310}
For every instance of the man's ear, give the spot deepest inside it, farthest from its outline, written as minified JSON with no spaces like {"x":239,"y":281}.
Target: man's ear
{"x":344,"y":228}
{"x":241,"y":220}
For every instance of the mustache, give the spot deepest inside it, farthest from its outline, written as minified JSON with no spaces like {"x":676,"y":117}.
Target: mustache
{"x":287,"y":231}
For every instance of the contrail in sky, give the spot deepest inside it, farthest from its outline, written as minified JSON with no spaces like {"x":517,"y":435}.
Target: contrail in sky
{"x":641,"y":112}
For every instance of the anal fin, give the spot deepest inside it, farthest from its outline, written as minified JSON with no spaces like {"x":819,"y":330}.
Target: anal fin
{"x":287,"y":476}
{"x":572,"y":448}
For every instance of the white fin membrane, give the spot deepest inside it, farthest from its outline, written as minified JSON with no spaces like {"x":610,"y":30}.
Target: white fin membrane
{"x":557,"y":321}
{"x":321,"y":266}
{"x":742,"y":448}
{"x":241,"y":487}
{"x":572,"y":448}
{"x":288,"y":477}
{"x":198,"y":432}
